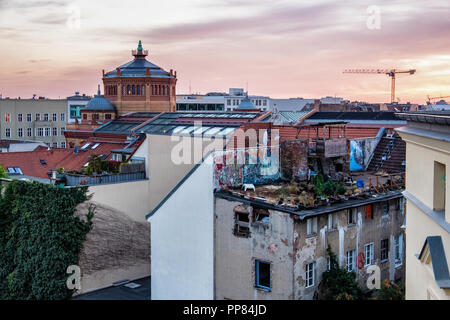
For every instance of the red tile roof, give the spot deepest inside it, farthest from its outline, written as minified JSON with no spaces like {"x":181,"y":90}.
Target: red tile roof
{"x":30,"y":162}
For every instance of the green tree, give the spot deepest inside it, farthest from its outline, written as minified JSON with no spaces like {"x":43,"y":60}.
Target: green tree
{"x":39,"y":238}
{"x":318,"y":184}
{"x":329,"y":188}
{"x":337,"y":283}
{"x":390,"y":291}
{"x":3,"y":173}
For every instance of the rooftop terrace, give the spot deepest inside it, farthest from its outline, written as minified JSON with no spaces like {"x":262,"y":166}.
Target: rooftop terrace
{"x":312,"y":197}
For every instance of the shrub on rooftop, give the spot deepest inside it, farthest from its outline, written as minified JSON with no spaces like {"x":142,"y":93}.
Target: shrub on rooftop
{"x":39,"y":238}
{"x":318,"y":184}
{"x":329,"y":187}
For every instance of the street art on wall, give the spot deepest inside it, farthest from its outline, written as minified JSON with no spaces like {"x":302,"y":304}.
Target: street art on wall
{"x":235,"y":167}
{"x":361,"y":151}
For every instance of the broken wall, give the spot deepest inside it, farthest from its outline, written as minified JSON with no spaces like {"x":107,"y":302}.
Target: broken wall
{"x":346,"y":237}
{"x":235,"y":255}
{"x":294,"y":159}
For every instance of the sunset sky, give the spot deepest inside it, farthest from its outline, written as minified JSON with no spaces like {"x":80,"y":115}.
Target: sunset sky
{"x":279,"y":48}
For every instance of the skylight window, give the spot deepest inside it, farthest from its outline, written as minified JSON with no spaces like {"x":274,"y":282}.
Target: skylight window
{"x":213,"y":130}
{"x":95,"y":146}
{"x":188,"y":130}
{"x":178,"y":129}
{"x":85,"y":146}
{"x":200,"y":130}
{"x":14,"y":170}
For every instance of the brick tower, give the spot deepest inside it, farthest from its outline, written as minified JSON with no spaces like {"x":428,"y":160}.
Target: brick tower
{"x":140,"y":86}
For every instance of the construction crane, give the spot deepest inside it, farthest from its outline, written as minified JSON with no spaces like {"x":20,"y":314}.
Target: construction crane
{"x":390,"y":72}
{"x":435,"y":98}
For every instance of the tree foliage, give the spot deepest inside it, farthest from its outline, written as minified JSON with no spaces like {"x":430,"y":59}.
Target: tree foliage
{"x":39,"y":238}
{"x":390,"y":291}
{"x":337,"y":283}
{"x":3,"y":173}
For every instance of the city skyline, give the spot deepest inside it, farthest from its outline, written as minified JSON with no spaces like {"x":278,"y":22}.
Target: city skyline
{"x":276,"y":48}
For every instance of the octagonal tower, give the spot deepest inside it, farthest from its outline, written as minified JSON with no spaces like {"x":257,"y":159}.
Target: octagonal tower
{"x":140,"y":86}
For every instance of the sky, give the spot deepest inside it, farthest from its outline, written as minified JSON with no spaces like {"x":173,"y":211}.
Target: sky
{"x":276,"y":48}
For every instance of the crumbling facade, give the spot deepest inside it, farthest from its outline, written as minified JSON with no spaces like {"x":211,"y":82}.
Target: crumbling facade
{"x":271,"y":253}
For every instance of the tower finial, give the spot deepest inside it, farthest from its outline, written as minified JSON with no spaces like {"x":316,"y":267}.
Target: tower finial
{"x":139,"y":48}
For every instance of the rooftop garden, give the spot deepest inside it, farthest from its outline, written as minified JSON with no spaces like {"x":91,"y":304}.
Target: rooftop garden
{"x":320,"y":191}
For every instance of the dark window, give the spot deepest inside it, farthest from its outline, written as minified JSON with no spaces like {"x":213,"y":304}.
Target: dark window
{"x":386,"y":207}
{"x":384,"y":249}
{"x":262,"y":274}
{"x":85,"y":116}
{"x":261,"y":215}
{"x":351,"y":216}
{"x":241,"y":224}
{"x":108,"y":116}
{"x":95,"y":116}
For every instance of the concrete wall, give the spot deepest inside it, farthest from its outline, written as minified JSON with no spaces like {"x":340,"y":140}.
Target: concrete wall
{"x":421,"y":153}
{"x":117,"y":248}
{"x":182,"y":240}
{"x":235,"y":256}
{"x":127,"y":197}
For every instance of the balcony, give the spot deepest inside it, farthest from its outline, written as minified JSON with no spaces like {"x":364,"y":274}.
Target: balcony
{"x":128,"y":173}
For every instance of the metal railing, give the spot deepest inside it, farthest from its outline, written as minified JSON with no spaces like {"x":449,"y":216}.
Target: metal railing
{"x":80,"y":180}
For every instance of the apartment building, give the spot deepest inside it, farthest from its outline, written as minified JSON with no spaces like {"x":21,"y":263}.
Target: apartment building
{"x":41,"y":120}
{"x":427,"y":137}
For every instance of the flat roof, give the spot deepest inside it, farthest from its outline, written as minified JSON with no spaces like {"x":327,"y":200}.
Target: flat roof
{"x":121,"y":292}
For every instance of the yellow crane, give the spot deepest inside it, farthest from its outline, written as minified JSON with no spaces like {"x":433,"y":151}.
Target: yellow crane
{"x":390,"y":72}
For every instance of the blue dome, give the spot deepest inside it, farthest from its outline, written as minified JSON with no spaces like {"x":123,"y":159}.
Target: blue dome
{"x":246,"y":104}
{"x":99,"y":102}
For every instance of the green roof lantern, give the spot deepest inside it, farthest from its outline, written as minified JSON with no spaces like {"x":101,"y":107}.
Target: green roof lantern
{"x":139,"y":48}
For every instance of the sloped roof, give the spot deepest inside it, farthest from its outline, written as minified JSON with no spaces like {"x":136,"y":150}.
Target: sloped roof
{"x":434,"y":247}
{"x":30,"y":163}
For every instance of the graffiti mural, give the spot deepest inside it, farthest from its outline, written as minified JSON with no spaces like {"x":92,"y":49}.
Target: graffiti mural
{"x":233,"y":168}
{"x":361,"y":151}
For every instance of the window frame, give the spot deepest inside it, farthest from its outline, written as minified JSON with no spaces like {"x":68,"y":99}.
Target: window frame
{"x":257,"y":275}
{"x":370,"y":256}
{"x":310,"y":274}
{"x":384,"y":250}
{"x":351,"y":257}
{"x":311,"y":226}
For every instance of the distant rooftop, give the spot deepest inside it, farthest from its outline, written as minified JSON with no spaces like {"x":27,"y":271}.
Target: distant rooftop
{"x":180,"y":123}
{"x":352,"y":116}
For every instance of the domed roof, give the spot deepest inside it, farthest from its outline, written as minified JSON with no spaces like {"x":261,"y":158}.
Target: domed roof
{"x":138,"y":67}
{"x":99,"y":102}
{"x":246,"y":104}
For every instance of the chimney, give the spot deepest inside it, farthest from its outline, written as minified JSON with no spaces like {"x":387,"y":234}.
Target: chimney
{"x":175,"y":74}
{"x":118,"y":72}
{"x":147,"y":72}
{"x":103,"y":71}
{"x":171,"y":72}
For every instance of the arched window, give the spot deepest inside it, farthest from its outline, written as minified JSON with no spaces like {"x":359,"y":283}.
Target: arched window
{"x":143,"y":90}
{"x":138,"y":90}
{"x":128,"y":90}
{"x":133,"y":89}
{"x":153,"y":90}
{"x":159,"y":89}
{"x":123,"y":91}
